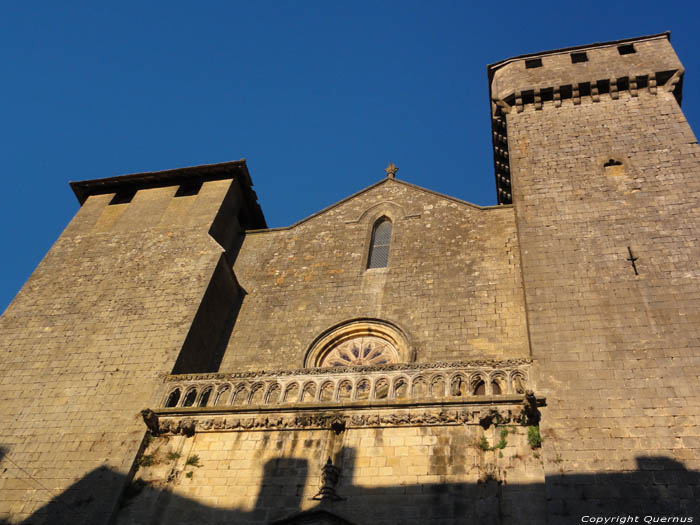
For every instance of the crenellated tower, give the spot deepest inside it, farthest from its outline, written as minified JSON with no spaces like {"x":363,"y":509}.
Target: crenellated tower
{"x":603,"y":170}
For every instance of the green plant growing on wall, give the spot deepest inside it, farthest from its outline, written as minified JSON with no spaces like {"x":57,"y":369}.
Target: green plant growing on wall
{"x":172,"y":456}
{"x":190,"y":474}
{"x":146,"y":460}
{"x":193,"y":460}
{"x":484,"y":444}
{"x":533,"y":437}
{"x":502,"y":442}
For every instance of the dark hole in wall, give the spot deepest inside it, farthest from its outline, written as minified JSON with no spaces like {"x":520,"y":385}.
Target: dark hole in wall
{"x":205,"y":398}
{"x":577,"y":58}
{"x":626,"y":49}
{"x":188,"y":188}
{"x":495,"y":388}
{"x":533,"y":63}
{"x":122,"y":197}
{"x":173,"y":398}
{"x":480,"y":389}
{"x":189,"y":398}
{"x":612,"y":162}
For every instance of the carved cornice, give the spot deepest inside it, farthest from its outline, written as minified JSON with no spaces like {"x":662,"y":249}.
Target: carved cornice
{"x":510,"y":412}
{"x":405,"y":367}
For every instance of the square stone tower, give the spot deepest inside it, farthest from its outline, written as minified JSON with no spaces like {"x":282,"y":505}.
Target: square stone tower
{"x":593,"y":150}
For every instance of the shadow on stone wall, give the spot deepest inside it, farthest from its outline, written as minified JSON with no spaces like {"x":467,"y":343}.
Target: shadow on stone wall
{"x":660,"y":487}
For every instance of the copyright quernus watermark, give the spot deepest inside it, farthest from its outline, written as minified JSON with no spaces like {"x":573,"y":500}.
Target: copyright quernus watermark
{"x":621,"y":520}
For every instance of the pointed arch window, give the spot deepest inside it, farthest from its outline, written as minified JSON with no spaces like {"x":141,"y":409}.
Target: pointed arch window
{"x":379,"y":247}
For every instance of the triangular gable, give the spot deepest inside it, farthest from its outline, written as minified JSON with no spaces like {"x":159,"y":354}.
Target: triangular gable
{"x":376,"y":185}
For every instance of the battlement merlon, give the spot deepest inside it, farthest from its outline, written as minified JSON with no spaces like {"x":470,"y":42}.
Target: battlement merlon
{"x":588,"y":71}
{"x":629,"y":58}
{"x":192,"y":175}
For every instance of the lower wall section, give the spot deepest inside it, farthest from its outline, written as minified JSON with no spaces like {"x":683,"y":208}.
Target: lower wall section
{"x":436,"y":474}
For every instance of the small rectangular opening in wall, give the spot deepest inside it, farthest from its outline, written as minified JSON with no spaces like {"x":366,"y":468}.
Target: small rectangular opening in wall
{"x":122,"y":197}
{"x":528,"y":96}
{"x":603,"y":86}
{"x":187,"y":189}
{"x":642,"y":81}
{"x":577,"y":58}
{"x":533,"y":62}
{"x":623,"y":83}
{"x":584,"y":89}
{"x":547,"y":94}
{"x":565,"y":92}
{"x":626,"y":49}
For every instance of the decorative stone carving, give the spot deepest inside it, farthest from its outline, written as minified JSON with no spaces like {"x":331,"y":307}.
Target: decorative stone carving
{"x":151,"y":420}
{"x":352,"y":385}
{"x":529,"y":414}
{"x":340,"y":421}
{"x":361,"y":351}
{"x":363,"y":342}
{"x":329,"y":479}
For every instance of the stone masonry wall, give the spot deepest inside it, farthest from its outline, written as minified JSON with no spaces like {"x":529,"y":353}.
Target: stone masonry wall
{"x":86,"y":340}
{"x":617,"y":353}
{"x":452,"y":284}
{"x":388,"y":475}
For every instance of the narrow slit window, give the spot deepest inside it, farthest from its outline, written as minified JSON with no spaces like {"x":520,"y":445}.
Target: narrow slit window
{"x":379,"y":248}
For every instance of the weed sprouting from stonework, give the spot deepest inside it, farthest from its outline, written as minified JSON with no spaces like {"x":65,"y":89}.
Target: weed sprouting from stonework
{"x":190,"y":474}
{"x":502,"y":442}
{"x":484,"y":444}
{"x":172,"y":456}
{"x":533,"y":437}
{"x":193,"y":461}
{"x":146,"y":460}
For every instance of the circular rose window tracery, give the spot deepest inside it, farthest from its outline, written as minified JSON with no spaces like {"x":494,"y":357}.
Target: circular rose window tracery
{"x":366,"y":342}
{"x":361,"y":351}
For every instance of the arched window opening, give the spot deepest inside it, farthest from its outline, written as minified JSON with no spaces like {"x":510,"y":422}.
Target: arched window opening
{"x":479,"y":388}
{"x":495,"y":388}
{"x":173,"y":398}
{"x":381,"y":389}
{"x":309,"y":393}
{"x":363,"y":390}
{"x":273,"y":395}
{"x":220,"y":399}
{"x":379,"y":247}
{"x":205,"y":398}
{"x":291,"y":395}
{"x":189,"y":398}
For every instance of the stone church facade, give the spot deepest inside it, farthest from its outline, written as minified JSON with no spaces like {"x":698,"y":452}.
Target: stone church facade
{"x":401,"y":356}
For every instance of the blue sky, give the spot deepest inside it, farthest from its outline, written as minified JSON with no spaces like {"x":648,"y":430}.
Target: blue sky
{"x":318,"y":96}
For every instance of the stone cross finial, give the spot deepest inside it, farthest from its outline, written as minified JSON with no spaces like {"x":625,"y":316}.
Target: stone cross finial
{"x":391,"y":170}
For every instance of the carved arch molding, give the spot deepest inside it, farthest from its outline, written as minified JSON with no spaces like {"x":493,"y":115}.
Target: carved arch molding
{"x":364,"y":342}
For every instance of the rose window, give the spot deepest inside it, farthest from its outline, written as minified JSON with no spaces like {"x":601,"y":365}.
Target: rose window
{"x":361,"y":351}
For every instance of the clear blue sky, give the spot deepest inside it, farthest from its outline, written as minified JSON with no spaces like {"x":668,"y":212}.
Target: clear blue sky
{"x":318,"y":96}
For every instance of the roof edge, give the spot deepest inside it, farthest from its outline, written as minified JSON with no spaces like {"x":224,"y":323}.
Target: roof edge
{"x":158,"y":179}
{"x":372,"y":186}
{"x":493,"y":67}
